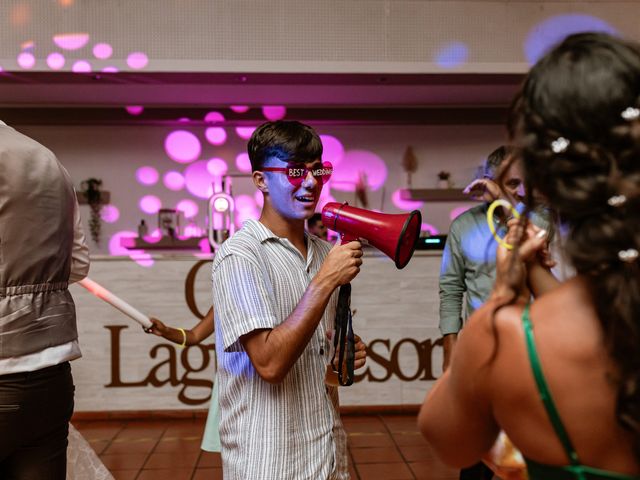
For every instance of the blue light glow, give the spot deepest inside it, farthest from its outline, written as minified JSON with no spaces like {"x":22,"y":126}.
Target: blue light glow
{"x":552,"y":31}
{"x":452,"y":55}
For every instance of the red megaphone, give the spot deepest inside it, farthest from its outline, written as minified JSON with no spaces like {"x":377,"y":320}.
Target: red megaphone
{"x":394,"y":235}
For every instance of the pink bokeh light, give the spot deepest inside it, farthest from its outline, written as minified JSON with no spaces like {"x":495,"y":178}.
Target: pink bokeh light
{"x":198,"y":179}
{"x":353,"y":165}
{"x":259,"y":198}
{"x":274,"y":112}
{"x":214,"y":117}
{"x":154,"y":237}
{"x":243,"y":163}
{"x":137,"y":60}
{"x":115,"y":244}
{"x":55,"y":60}
{"x":456,"y":212}
{"x":191,"y":231}
{"x":332,"y":150}
{"x":188,"y":207}
{"x":216,"y":135}
{"x":71,"y":41}
{"x":396,"y":199}
{"x":245,"y":202}
{"x":182,"y":146}
{"x":110,"y":69}
{"x":26,"y":60}
{"x":427,"y":227}
{"x":134,"y":109}
{"x":102,"y":51}
{"x":142,"y":258}
{"x":150,"y":204}
{"x":239,"y":108}
{"x":147,"y":175}
{"x":204,"y":245}
{"x":245,"y":132}
{"x":217,"y":167}
{"x":173,"y":180}
{"x":110,"y":213}
{"x":81,"y":66}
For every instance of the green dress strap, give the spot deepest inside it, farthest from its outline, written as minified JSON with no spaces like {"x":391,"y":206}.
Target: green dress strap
{"x":545,"y":393}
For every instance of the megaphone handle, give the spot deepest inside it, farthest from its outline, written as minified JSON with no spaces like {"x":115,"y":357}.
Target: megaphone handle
{"x":344,"y":336}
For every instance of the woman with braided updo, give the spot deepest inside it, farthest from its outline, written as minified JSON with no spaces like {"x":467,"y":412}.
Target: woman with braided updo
{"x":561,"y":375}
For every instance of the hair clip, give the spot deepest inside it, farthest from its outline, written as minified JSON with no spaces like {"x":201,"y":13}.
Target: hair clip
{"x":629,"y":255}
{"x":630,"y":113}
{"x":617,"y":200}
{"x":559,"y":145}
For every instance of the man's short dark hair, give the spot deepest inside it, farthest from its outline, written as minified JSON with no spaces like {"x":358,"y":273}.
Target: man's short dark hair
{"x":284,"y":140}
{"x":495,"y":159}
{"x":314,"y":219}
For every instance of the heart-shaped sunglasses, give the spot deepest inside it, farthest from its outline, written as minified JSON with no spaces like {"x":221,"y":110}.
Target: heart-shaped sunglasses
{"x":297,"y":172}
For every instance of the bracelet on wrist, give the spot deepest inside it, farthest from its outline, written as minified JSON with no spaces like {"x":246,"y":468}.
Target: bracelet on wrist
{"x":184,"y":337}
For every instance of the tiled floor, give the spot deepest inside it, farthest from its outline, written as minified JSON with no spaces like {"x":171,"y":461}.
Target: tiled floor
{"x":381,"y":447}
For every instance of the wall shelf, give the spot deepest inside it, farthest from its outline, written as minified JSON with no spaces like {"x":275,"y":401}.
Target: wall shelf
{"x":434,"y":195}
{"x":165,"y":243}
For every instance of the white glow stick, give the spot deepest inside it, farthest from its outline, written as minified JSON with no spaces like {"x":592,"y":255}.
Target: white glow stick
{"x":101,"y":292}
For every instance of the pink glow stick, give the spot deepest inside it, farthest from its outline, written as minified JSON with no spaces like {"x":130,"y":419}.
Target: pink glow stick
{"x":101,"y":292}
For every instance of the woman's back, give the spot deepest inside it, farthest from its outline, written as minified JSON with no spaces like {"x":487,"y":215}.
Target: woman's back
{"x":570,"y":344}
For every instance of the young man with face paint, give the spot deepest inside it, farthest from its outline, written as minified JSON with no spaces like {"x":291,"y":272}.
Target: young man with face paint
{"x":275,"y":296}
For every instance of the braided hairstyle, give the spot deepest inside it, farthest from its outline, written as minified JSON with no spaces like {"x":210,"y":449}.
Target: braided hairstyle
{"x":577,"y":94}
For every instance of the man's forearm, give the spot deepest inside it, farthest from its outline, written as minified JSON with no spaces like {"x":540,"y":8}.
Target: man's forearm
{"x":273,"y":352}
{"x":448,"y":344}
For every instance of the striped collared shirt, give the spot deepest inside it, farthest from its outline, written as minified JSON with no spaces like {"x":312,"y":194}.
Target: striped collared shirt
{"x":291,"y":430}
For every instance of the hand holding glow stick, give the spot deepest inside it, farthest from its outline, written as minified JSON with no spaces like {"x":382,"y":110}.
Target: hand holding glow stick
{"x":490,"y":213}
{"x":101,"y":292}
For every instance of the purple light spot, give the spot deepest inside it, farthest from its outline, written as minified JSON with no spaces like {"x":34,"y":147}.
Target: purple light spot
{"x":239,"y":108}
{"x":110,"y":213}
{"x":190,"y":231}
{"x":153,"y":237}
{"x":182,"y":146}
{"x":188,"y":207}
{"x":115,"y":242}
{"x":137,"y":60}
{"x":134,"y":109}
{"x":102,"y":51}
{"x":259,"y":198}
{"x":110,"y":69}
{"x":332,"y":149}
{"x":213,"y":117}
{"x":81,"y":66}
{"x":354,"y":164}
{"x":427,"y":227}
{"x":245,"y":202}
{"x":150,"y":204}
{"x":245,"y":132}
{"x":204,"y":245}
{"x":274,"y":112}
{"x":456,"y":212}
{"x":71,"y":41}
{"x":147,"y":175}
{"x":184,"y":120}
{"x":198,"y":179}
{"x":216,"y":135}
{"x":173,"y":181}
{"x":452,"y":55}
{"x":552,"y":31}
{"x":243,"y":163}
{"x":217,"y":167}
{"x":26,"y":60}
{"x":397,"y":200}
{"x":141,"y":258}
{"x":55,"y":61}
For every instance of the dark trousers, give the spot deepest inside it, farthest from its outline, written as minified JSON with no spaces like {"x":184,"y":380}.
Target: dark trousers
{"x":479,"y":471}
{"x":35,"y":409}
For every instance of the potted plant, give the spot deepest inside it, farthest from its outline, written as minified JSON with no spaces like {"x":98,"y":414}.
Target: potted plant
{"x":444,"y":179}
{"x":91,"y":188}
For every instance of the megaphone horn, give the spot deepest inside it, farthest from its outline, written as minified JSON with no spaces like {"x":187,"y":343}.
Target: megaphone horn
{"x":394,"y":235}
